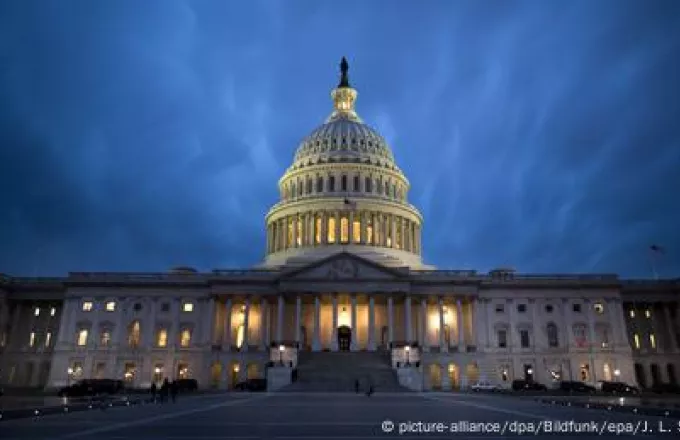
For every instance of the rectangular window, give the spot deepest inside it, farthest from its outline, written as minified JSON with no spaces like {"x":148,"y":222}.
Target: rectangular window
{"x":82,"y":337}
{"x":356,"y":183}
{"x":331,"y":229}
{"x":100,"y":370}
{"x":105,"y":338}
{"x":652,"y":340}
{"x":524,"y":338}
{"x":369,"y":185}
{"x":87,"y":306}
{"x":356,"y":231}
{"x":500,"y":308}
{"x":648,"y":314}
{"x":636,"y":341}
{"x":331,"y":183}
{"x":502,"y":339}
{"x":188,"y":307}
{"x":185,"y":338}
{"x":521,"y":308}
{"x":36,"y":312}
{"x":31,"y":340}
{"x":162,"y":338}
{"x":631,"y":313}
{"x":53,"y":311}
{"x":343,"y":183}
{"x":298,"y":237}
{"x":110,"y":306}
{"x":48,"y":339}
{"x":576,"y":308}
{"x":317,"y":230}
{"x":344,"y":230}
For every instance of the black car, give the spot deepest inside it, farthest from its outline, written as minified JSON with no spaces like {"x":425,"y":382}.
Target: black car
{"x":618,"y":388}
{"x":527,"y":385}
{"x":92,"y":387}
{"x":665,"y":388}
{"x":186,"y":385}
{"x":573,"y":386}
{"x":252,"y":385}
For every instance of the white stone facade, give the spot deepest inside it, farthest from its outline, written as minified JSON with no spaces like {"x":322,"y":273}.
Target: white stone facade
{"x":342,"y":271}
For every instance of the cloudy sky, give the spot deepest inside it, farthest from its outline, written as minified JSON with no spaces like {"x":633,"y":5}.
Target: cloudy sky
{"x":141,"y":135}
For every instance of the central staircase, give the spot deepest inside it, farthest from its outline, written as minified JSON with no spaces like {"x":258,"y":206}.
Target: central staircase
{"x":338,"y":371}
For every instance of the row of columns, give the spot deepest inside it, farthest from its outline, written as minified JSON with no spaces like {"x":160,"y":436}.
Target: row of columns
{"x":344,"y":227}
{"x":341,"y":183}
{"x":316,"y":336}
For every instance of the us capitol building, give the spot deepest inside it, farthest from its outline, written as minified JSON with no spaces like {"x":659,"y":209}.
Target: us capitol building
{"x":343,"y":272}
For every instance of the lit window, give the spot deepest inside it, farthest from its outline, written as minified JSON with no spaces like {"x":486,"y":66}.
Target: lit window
{"x":331,"y":230}
{"x":111,"y":306}
{"x":298,"y":237}
{"x":82,"y":337}
{"x":105,"y":338}
{"x":356,"y":231}
{"x":344,"y":230}
{"x":134,"y":334}
{"x":31,"y":341}
{"x":652,"y":340}
{"x":289,"y":241}
{"x":87,"y":306}
{"x":36,"y":312}
{"x":162,"y":338}
{"x":648,"y":313}
{"x":48,"y":339}
{"x":185,"y":338}
{"x":53,"y":311}
{"x":317,"y":230}
{"x":636,"y":340}
{"x":631,"y":313}
{"x":369,"y":231}
{"x":599,"y":308}
{"x":188,"y":307}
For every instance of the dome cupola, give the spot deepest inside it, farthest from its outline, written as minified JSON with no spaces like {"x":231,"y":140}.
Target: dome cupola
{"x":343,"y":192}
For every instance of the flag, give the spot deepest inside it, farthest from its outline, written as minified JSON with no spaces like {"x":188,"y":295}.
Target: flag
{"x":350,"y":203}
{"x":658,"y":249}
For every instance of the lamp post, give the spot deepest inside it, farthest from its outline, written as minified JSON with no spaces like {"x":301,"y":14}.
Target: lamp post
{"x":69,"y":372}
{"x":407,"y":349}
{"x":617,"y":373}
{"x":282,"y":348}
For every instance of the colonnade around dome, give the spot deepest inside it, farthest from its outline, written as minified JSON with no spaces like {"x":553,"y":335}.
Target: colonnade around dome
{"x":341,"y":227}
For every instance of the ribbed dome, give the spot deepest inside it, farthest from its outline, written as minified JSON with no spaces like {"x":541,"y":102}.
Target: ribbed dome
{"x":343,"y":139}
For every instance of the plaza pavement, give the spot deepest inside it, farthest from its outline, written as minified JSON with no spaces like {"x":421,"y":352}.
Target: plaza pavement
{"x":329,"y":416}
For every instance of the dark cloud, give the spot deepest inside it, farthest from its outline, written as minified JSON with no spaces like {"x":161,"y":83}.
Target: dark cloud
{"x":140,"y":136}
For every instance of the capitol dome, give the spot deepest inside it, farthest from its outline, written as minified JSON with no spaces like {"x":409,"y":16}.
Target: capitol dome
{"x":344,"y":193}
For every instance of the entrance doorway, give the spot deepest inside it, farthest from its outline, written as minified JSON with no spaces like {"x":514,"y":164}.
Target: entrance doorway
{"x":344,"y":338}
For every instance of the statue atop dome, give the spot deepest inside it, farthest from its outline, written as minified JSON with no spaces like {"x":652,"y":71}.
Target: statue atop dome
{"x":344,"y":78}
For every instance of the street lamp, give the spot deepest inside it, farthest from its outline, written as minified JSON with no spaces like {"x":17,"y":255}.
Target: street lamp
{"x":69,"y":371}
{"x":407,"y":349}
{"x":617,"y":372}
{"x":282,"y":348}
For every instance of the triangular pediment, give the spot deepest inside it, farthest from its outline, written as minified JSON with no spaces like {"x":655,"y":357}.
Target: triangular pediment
{"x":343,"y":266}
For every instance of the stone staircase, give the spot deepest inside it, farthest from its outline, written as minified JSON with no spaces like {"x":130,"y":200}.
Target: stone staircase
{"x":338,"y":371}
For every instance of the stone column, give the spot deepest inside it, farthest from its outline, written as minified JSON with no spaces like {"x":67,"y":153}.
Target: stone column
{"x":390,"y":321}
{"x":408,"y":333}
{"x":226,"y":339}
{"x":672,"y":338}
{"x":64,"y":322}
{"x":118,"y":335}
{"x":393,"y":229}
{"x":150,"y":323}
{"x":334,"y":329}
{"x":371,"y":323}
{"x":443,"y":344}
{"x":337,"y":227}
{"x":298,"y":319}
{"x":592,"y":341}
{"x":350,"y":228}
{"x":353,"y":344}
{"x":324,"y":227}
{"x":264,"y":330}
{"x":459,"y":324}
{"x":424,"y":343}
{"x":316,"y":342}
{"x":279,"y":319}
{"x":246,"y":327}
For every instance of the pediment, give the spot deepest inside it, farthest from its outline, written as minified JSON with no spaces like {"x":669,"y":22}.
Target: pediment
{"x":342,"y":267}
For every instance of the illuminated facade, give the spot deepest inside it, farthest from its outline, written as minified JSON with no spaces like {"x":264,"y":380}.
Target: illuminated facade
{"x":342,"y":272}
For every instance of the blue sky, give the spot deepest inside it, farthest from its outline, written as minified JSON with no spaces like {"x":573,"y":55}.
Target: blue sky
{"x":138,"y":136}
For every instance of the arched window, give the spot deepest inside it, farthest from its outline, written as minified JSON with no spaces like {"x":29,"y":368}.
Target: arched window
{"x":162,"y":338}
{"x":368,"y":184}
{"x":319,"y":184}
{"x":553,"y":341}
{"x":185,"y":338}
{"x":134,"y":334}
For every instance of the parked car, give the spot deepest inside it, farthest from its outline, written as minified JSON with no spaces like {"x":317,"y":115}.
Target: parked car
{"x":617,"y":388}
{"x":485,"y":385}
{"x":574,"y":386}
{"x":186,"y":385}
{"x":92,"y":387}
{"x":527,"y":385}
{"x":252,"y":385}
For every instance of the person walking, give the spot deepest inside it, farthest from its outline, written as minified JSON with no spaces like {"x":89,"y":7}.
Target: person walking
{"x":174,"y":390}
{"x":164,"y":390}
{"x":154,"y":391}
